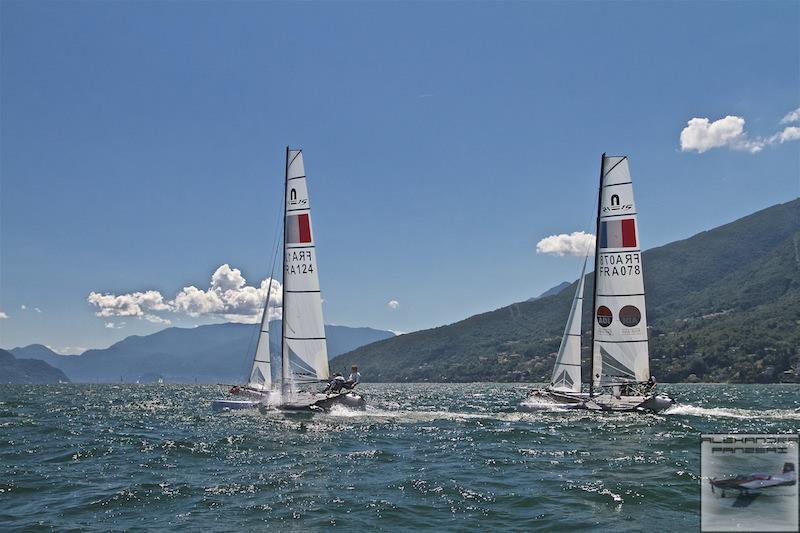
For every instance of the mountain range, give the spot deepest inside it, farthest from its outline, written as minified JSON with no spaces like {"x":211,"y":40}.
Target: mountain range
{"x":722,"y":306}
{"x":206,"y":354}
{"x":552,"y":291}
{"x":28,"y":371}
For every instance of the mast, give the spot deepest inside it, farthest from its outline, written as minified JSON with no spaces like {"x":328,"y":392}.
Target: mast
{"x":596,"y":266}
{"x":284,"y":358}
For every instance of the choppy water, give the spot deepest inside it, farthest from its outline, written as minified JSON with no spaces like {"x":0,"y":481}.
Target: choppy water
{"x":424,"y":456}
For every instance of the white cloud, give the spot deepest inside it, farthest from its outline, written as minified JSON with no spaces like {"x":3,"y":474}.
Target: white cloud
{"x":37,"y":309}
{"x":135,"y":304}
{"x":790,"y":133}
{"x":23,"y":307}
{"x":577,"y":243}
{"x":701,"y":135}
{"x":3,"y":315}
{"x":393,"y":304}
{"x":791,"y":116}
{"x":115,"y":325}
{"x":228,"y":297}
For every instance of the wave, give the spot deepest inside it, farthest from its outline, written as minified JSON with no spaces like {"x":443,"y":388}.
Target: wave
{"x":724,"y":412}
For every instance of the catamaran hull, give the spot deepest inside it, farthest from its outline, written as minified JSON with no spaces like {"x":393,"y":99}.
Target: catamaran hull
{"x":324,"y":403}
{"x":351,"y":400}
{"x":630,"y":404}
{"x":540,"y":399}
{"x":545,"y":399}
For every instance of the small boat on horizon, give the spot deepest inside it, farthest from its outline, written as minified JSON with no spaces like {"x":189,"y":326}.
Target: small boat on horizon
{"x":620,"y":378}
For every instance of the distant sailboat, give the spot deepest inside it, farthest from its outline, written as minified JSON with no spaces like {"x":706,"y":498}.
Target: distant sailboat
{"x":620,"y":376}
{"x":259,"y":386}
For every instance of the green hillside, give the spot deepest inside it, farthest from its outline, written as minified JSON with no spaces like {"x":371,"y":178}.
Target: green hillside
{"x":723,"y":305}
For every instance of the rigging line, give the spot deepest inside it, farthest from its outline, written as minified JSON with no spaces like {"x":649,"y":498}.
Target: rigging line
{"x":623,"y":158}
{"x":274,"y":249}
{"x":299,"y":151}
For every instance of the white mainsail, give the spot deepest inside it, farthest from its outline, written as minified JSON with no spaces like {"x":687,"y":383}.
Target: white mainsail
{"x":619,"y":349}
{"x":304,"y":349}
{"x":567,"y":371}
{"x":260,"y":374}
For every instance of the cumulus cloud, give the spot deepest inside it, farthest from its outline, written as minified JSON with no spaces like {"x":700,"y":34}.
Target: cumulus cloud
{"x":3,"y":316}
{"x":228,"y":296}
{"x":393,"y":304}
{"x":136,"y":304}
{"x":23,"y":307}
{"x":791,"y":116}
{"x":577,"y":243}
{"x":790,"y":133}
{"x":37,"y":309}
{"x":114,"y":325}
{"x":701,"y":134}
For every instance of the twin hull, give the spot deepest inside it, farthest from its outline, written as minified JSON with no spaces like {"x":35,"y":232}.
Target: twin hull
{"x":543,"y":398}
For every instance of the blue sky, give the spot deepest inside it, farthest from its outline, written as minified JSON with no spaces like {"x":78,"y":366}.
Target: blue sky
{"x":142,"y":145}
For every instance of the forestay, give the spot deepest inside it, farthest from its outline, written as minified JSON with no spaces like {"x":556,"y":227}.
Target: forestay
{"x":620,"y":348}
{"x":305,"y":355}
{"x":567,"y":371}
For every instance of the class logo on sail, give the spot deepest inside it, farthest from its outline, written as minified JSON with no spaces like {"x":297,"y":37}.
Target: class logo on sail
{"x":618,"y":233}
{"x":616,"y":206}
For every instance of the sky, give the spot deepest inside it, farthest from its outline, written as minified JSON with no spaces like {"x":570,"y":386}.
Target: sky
{"x":142,"y":149}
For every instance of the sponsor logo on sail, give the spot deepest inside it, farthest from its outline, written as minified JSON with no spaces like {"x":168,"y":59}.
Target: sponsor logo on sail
{"x":630,"y":315}
{"x":604,"y":316}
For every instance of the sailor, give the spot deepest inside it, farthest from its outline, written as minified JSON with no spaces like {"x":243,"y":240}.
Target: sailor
{"x":651,"y":384}
{"x":234,"y":390}
{"x":354,"y":378}
{"x":336,"y":383}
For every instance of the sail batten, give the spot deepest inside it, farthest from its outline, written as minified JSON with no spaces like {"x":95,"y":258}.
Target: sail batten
{"x":620,"y":353}
{"x":304,"y":349}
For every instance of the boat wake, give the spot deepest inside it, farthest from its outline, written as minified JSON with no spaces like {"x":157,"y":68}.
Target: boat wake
{"x":723,"y":412}
{"x":412,"y":416}
{"x":541,"y":405}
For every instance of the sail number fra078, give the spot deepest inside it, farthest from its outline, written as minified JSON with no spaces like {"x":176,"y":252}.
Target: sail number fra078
{"x":620,"y":264}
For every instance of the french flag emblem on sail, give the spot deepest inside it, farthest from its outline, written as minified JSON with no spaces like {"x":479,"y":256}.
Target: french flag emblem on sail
{"x":298,"y":229}
{"x":618,"y":233}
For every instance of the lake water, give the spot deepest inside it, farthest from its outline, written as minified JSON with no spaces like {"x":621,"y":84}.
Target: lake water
{"x":424,"y":456}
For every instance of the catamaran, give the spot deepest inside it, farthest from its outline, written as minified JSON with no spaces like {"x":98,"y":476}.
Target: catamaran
{"x":565,"y":383}
{"x":258,"y":388}
{"x":304,"y":352}
{"x":620,"y":365}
